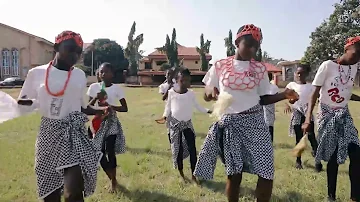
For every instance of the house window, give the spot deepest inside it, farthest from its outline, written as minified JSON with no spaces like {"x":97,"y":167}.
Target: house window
{"x":148,"y":65}
{"x":159,"y":63}
{"x":6,"y":61}
{"x":15,"y":62}
{"x":196,"y":62}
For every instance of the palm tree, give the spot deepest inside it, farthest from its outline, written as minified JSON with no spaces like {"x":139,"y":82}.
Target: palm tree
{"x":230,"y":47}
{"x":203,"y":50}
{"x":132,"y":51}
{"x":171,"y":50}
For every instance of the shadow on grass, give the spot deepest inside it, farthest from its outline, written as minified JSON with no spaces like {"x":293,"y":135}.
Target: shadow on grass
{"x":144,"y":195}
{"x":312,"y":166}
{"x":283,"y":146}
{"x":148,"y":151}
{"x":290,"y":196}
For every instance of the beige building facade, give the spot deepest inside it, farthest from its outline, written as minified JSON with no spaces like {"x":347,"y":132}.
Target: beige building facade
{"x":21,"y":51}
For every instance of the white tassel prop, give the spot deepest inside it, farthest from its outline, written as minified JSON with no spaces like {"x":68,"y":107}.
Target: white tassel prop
{"x":8,"y":107}
{"x":223,"y":102}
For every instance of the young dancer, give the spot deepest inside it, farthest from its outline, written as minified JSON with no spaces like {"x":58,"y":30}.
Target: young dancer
{"x":338,"y":137}
{"x":110,"y":129}
{"x":241,"y":137}
{"x":169,"y":83}
{"x":269,"y":110}
{"x":298,"y":111}
{"x":180,"y":105}
{"x":64,"y":156}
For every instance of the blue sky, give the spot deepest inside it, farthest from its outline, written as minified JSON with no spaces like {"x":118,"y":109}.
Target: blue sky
{"x":286,"y":24}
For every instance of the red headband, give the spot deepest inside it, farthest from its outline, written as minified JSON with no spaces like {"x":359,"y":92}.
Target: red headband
{"x":351,"y":41}
{"x":65,"y":35}
{"x":251,"y":29}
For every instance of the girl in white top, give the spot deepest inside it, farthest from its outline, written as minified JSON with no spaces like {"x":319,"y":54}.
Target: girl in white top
{"x":110,"y":131}
{"x":169,"y":83}
{"x":241,"y":137}
{"x":180,"y":105}
{"x":298,"y":111}
{"x":269,"y":110}
{"x":64,"y":157}
{"x":338,"y":137}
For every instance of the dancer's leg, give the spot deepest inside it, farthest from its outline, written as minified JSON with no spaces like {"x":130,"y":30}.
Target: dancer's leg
{"x":263,"y":190}
{"x":332,"y":172}
{"x":190,"y":140}
{"x":233,"y":187}
{"x":354,"y":174}
{"x":298,"y":135}
{"x":73,"y":184}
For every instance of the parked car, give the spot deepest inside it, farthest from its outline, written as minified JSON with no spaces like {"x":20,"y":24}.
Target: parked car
{"x":12,"y":81}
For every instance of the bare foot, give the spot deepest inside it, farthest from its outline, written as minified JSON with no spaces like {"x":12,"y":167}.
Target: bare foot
{"x":114,"y":186}
{"x":182,"y":175}
{"x":195,"y":180}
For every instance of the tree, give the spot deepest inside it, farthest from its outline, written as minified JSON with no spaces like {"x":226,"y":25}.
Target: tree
{"x":258,"y":56}
{"x":86,"y":69}
{"x":132,"y":52}
{"x":327,"y":41}
{"x":171,"y":50}
{"x":230,"y":47}
{"x":203,"y":50}
{"x":105,"y":50}
{"x":266,"y":57}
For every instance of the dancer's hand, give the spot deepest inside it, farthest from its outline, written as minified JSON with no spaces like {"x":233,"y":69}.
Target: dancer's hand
{"x":209,"y":111}
{"x":287,"y":109}
{"x":292,"y":101}
{"x":212,"y":93}
{"x":291,"y":95}
{"x":305,"y":127}
{"x":162,"y":120}
{"x":101,"y":95}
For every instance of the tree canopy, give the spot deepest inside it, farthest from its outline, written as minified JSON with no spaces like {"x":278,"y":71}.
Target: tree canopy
{"x":106,"y":50}
{"x":328,"y":40}
{"x":203,"y":49}
{"x":229,"y":45}
{"x":171,"y":50}
{"x":132,"y":52}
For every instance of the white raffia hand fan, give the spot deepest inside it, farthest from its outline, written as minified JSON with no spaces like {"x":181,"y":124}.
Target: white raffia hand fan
{"x":8,"y":107}
{"x":223,"y":102}
{"x":300,"y":147}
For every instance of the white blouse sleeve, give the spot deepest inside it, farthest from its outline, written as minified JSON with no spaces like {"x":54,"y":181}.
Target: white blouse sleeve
{"x":211,"y":79}
{"x":264,"y":85}
{"x":197,"y":105}
{"x":321,"y":74}
{"x":28,"y":90}
{"x":167,"y":110}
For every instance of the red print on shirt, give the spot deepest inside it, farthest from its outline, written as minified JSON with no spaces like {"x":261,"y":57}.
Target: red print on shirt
{"x":334,"y":95}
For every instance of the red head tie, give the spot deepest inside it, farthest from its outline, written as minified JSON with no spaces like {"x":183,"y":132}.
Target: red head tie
{"x":351,"y":41}
{"x":253,"y":30}
{"x":65,"y":35}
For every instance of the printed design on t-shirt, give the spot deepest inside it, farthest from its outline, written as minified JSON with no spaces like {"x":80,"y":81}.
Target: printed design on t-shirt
{"x":240,"y":80}
{"x":55,"y":106}
{"x":337,"y":89}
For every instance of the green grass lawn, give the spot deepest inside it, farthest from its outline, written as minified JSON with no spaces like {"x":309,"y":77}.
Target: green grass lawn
{"x":145,"y":170}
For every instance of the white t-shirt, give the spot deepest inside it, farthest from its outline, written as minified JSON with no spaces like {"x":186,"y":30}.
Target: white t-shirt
{"x":50,"y":106}
{"x":114,"y":93}
{"x":334,"y":92}
{"x":303,"y":90}
{"x":243,"y":99}
{"x":165,"y":86}
{"x":181,"y":106}
{"x":273,"y":89}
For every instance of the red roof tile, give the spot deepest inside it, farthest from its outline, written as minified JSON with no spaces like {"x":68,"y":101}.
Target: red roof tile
{"x":272,"y":68}
{"x":183,"y":52}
